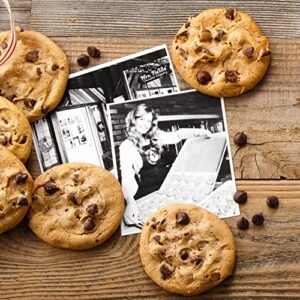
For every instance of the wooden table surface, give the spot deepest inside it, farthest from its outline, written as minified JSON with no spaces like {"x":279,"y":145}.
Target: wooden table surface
{"x":268,"y":258}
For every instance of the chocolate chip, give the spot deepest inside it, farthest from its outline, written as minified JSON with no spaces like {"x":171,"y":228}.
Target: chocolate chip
{"x":165,"y":271}
{"x":72,"y":197}
{"x":219,"y":35}
{"x":242,"y":223}
{"x":32,"y":56}
{"x":92,"y":209}
{"x":23,"y":202}
{"x":89,"y":224}
{"x":5,"y":121}
{"x":240,"y":197}
{"x":184,"y":254}
{"x":50,"y":187}
{"x":153,"y":219}
{"x":258,"y":219}
{"x":266,"y":53}
{"x":54,"y":67}
{"x":39,"y":72}
{"x":240,"y":138}
{"x":21,"y":178}
{"x":2,"y":93}
{"x":11,"y":97}
{"x":157,"y":238}
{"x":154,"y":225}
{"x":3,"y":45}
{"x":203,"y":77}
{"x":196,"y":260}
{"x":93,"y":51}
{"x":248,"y":52}
{"x":231,"y":76}
{"x":29,"y":103}
{"x":273,"y":202}
{"x":187,"y":24}
{"x":24,"y":139}
{"x":83,"y":60}
{"x":76,"y":177}
{"x":3,"y":139}
{"x":229,"y":13}
{"x":44,"y":111}
{"x":182,"y":218}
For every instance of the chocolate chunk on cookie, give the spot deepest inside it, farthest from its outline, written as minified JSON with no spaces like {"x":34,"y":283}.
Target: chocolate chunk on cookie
{"x":225,"y":53}
{"x":15,"y":190}
{"x":15,"y":131}
{"x":36,"y":75}
{"x":193,"y":252}
{"x":76,"y":206}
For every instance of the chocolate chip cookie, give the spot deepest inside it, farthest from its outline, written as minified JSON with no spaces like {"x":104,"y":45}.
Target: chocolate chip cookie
{"x":15,"y":131}
{"x":187,"y":250}
{"x":35,"y":76}
{"x":76,"y":206}
{"x":221,"y":52}
{"x":15,"y":190}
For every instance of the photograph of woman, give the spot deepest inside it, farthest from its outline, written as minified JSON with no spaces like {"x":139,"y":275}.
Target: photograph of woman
{"x":143,"y":159}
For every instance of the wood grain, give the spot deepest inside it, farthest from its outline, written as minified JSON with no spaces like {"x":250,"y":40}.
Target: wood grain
{"x":268,"y":260}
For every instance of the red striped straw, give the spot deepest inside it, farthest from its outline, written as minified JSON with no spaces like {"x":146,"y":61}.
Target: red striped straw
{"x":12,"y":42}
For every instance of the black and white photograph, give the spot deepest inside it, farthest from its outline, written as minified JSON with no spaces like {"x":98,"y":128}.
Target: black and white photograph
{"x":171,"y":149}
{"x":79,"y":124}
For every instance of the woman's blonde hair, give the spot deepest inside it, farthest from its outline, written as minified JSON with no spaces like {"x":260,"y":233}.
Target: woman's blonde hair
{"x":136,"y":137}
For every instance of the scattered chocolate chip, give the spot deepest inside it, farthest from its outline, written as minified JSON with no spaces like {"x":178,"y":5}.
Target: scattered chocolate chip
{"x":29,"y":103}
{"x":21,"y":178}
{"x":240,"y":197}
{"x":219,"y":35}
{"x":231,"y":76}
{"x":205,"y":36}
{"x":242,"y":223}
{"x":196,"y":260}
{"x":203,"y":77}
{"x":182,"y":218}
{"x":187,"y":24}
{"x":240,"y":138}
{"x":54,"y":67}
{"x":273,"y":202}
{"x":93,"y":51}
{"x":3,"y":139}
{"x":50,"y":187}
{"x":165,"y":271}
{"x":39,"y":72}
{"x":23,"y":202}
{"x":32,"y":56}
{"x":92,"y":209}
{"x":157,"y":238}
{"x":184,"y":254}
{"x":266,"y":53}
{"x":89,"y":224}
{"x":258,"y":219}
{"x":248,"y":52}
{"x":229,"y":14}
{"x":72,"y":197}
{"x":24,"y":139}
{"x":83,"y":60}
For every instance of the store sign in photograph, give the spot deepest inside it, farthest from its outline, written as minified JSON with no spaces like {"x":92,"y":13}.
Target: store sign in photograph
{"x":154,"y":73}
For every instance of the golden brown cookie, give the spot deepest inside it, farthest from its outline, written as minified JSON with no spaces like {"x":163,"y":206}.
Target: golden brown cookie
{"x":35,"y":76}
{"x":221,"y":52}
{"x":186,"y":249}
{"x":15,"y":131}
{"x":76,"y":206}
{"x":15,"y":190}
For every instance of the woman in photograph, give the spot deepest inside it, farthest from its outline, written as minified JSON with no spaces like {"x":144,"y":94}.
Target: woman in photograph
{"x":142,"y":161}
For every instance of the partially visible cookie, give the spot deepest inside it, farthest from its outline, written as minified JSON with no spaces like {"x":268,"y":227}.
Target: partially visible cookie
{"x":15,"y":131}
{"x":76,"y":206}
{"x":35,"y":76}
{"x":15,"y":190}
{"x":187,"y":250}
{"x":221,"y":52}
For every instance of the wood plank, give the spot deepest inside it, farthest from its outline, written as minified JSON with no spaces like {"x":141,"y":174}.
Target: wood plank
{"x":152,"y":17}
{"x":268,"y":260}
{"x":21,"y":11}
